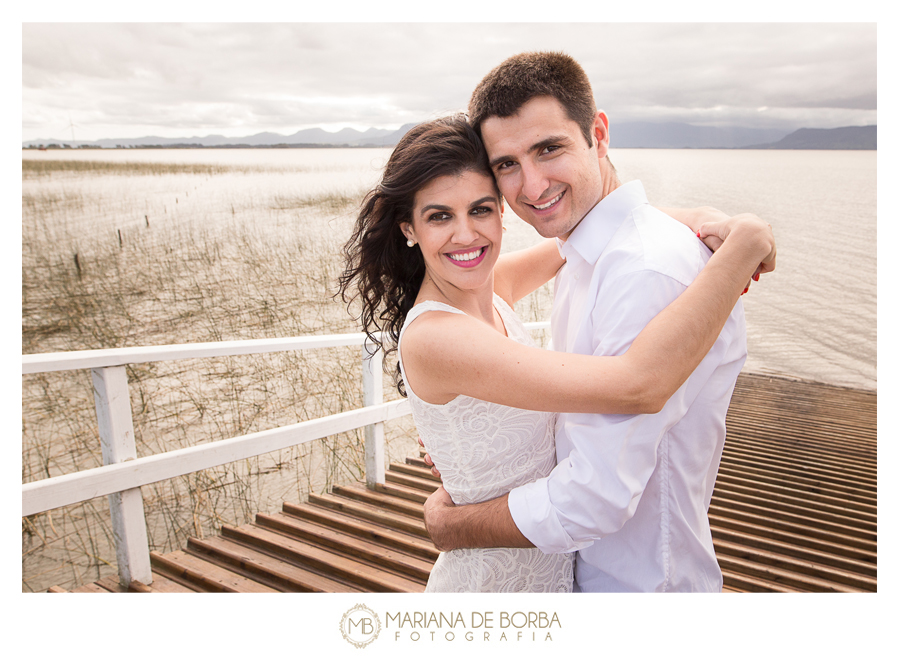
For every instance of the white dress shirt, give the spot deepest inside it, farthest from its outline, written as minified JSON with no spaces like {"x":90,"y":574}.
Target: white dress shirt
{"x":631,"y":492}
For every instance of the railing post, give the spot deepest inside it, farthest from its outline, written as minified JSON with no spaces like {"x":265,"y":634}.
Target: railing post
{"x":117,"y":441}
{"x":373,"y":393}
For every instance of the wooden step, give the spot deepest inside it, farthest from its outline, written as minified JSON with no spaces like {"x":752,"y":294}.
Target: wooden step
{"x":185,"y":568}
{"x":365,"y":550}
{"x":408,"y":542}
{"x":400,"y":505}
{"x":802,"y":571}
{"x":371,"y":513}
{"x":335,"y":565}
{"x":265,"y":568}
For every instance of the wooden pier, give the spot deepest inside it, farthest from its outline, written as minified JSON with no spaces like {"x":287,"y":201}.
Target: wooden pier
{"x":794,"y":510}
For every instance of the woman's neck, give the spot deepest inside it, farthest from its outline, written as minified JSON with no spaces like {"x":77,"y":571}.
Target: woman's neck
{"x":477,"y":303}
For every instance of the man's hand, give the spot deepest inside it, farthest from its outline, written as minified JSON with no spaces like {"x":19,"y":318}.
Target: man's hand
{"x":436,"y":473}
{"x":719,"y":231}
{"x":436,"y":504}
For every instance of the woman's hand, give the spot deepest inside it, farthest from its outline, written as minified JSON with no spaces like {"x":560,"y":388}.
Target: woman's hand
{"x":427,"y":459}
{"x":747,"y":227}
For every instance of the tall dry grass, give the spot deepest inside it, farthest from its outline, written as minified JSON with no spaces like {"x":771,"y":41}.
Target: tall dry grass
{"x":124,"y":254}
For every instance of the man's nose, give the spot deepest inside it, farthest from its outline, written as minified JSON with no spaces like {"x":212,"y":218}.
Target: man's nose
{"x":534,"y":182}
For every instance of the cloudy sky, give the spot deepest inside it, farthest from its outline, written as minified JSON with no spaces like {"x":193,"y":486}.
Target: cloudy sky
{"x":182,"y":80}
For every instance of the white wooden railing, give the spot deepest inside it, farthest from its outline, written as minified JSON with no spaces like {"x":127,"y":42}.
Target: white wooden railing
{"x":123,"y":474}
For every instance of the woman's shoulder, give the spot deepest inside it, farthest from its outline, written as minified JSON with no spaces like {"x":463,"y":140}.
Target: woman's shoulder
{"x":429,"y":316}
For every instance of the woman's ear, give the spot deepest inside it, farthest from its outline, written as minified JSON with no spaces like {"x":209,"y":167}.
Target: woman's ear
{"x":406,"y":229}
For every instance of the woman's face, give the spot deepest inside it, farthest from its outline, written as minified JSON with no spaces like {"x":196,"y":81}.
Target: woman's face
{"x":457,"y":223}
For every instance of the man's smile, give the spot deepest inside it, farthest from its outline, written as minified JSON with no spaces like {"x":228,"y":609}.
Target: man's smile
{"x":552,"y":202}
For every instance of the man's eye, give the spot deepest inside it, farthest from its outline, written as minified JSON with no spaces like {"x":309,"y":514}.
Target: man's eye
{"x":551,"y":148}
{"x":505,"y":165}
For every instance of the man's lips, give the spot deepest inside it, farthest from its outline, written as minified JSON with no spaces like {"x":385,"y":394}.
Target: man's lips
{"x":547,"y":204}
{"x":467,"y":257}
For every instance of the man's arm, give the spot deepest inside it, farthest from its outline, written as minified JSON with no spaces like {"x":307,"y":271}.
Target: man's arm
{"x":597,"y":488}
{"x":484,"y":525}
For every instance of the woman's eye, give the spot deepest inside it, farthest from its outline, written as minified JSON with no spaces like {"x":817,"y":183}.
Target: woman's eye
{"x":438,"y":217}
{"x":482,"y":210}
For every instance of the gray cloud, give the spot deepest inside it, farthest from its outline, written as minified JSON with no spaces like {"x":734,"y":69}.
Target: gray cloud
{"x":128,"y":80}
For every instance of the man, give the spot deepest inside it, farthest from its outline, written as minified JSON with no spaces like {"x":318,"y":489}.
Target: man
{"x":629,"y":493}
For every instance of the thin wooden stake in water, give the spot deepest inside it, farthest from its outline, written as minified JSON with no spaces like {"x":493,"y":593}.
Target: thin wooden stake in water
{"x":373,"y":394}
{"x":117,"y":442}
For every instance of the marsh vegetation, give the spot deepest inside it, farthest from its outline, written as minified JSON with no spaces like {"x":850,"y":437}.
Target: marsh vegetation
{"x":128,"y":252}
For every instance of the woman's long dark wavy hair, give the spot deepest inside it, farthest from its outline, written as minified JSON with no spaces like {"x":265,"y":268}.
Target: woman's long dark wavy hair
{"x":381,"y":270}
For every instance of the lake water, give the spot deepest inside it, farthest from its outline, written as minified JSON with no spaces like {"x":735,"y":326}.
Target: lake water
{"x":814,"y":318}
{"x":200,"y":245}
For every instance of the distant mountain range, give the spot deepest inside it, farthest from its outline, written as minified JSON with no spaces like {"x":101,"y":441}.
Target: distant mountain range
{"x":857,"y":138}
{"x":623,"y":135}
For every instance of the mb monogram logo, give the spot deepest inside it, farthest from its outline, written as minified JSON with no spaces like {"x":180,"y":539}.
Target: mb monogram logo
{"x":360,"y":626}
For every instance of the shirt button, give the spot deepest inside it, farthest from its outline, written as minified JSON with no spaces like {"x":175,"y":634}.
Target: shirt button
{"x":576,"y":277}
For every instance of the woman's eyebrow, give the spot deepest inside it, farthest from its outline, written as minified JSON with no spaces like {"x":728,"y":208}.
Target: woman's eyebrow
{"x":483,"y":200}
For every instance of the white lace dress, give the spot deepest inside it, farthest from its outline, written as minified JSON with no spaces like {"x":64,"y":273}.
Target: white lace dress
{"x":484,"y":450}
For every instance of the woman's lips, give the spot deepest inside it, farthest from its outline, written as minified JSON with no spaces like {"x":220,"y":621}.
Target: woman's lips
{"x":467,"y":257}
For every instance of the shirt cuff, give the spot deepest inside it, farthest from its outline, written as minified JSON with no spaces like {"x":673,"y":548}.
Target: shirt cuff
{"x":535,"y":517}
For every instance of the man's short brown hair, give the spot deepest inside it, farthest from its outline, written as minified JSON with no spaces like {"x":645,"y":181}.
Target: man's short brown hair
{"x":527,"y":75}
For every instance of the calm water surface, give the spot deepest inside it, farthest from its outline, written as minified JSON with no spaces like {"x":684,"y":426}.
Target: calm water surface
{"x":814,"y":318}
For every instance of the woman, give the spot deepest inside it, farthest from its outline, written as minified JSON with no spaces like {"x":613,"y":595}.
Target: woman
{"x":424,"y":258}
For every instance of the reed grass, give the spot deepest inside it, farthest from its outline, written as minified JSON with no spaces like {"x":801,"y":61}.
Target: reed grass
{"x":198,"y":254}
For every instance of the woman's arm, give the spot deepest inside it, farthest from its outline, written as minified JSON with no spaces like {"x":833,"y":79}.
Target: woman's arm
{"x":481,"y":363}
{"x":521,"y":272}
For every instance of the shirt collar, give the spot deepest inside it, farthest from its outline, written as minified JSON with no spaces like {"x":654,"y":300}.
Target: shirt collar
{"x":594,"y":232}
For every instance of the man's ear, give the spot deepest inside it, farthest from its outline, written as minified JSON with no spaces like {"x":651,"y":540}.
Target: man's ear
{"x":601,"y":134}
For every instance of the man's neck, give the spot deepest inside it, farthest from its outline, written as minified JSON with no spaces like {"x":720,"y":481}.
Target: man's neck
{"x":610,"y":184}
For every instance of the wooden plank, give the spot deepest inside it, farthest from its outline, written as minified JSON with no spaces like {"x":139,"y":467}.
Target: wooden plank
{"x":400,"y":505}
{"x":758,"y":463}
{"x":783,"y":502}
{"x":767,"y":489}
{"x":77,"y":487}
{"x":209,"y":576}
{"x":83,"y":359}
{"x":393,"y":558}
{"x":401,"y":491}
{"x":91,"y":588}
{"x":778,"y":547}
{"x":421,"y":472}
{"x":371,"y":513}
{"x":739,"y":582}
{"x":810,"y":537}
{"x":779,"y":576}
{"x":410,"y":481}
{"x":163,"y":585}
{"x":798,"y":567}
{"x":409,"y":542}
{"x":302,"y":553}
{"x":265,"y":568}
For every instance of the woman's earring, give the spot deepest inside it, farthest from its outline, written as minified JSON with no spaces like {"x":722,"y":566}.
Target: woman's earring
{"x":410,"y":243}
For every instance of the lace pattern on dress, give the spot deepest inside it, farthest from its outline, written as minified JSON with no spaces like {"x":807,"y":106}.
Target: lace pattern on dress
{"x":483,"y":450}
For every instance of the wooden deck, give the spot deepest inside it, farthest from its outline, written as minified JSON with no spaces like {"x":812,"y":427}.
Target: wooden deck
{"x":794,"y":510}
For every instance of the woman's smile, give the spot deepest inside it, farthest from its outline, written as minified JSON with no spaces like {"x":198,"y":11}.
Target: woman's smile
{"x":467,"y":257}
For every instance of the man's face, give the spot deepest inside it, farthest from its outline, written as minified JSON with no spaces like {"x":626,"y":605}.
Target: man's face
{"x":545,"y":169}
